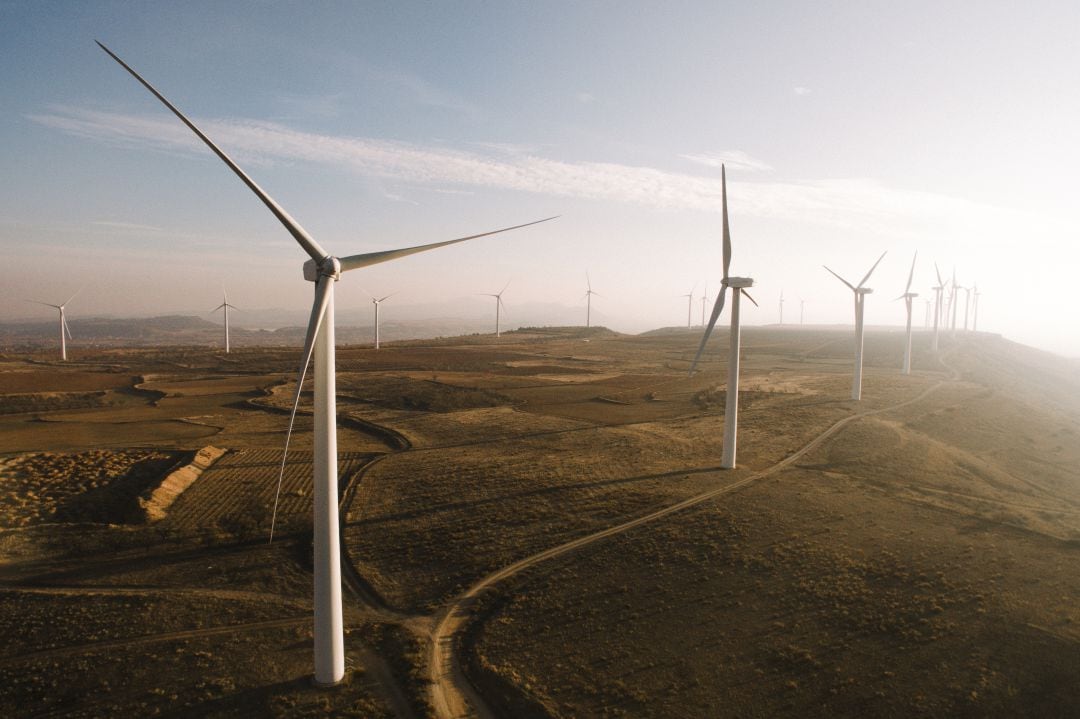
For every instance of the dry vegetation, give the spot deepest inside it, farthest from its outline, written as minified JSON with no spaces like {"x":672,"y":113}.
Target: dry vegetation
{"x":921,"y":561}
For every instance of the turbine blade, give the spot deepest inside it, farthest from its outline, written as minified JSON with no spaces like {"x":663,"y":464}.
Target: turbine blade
{"x":727,"y":230}
{"x":940,"y":281}
{"x":67,"y":329}
{"x":588,"y":282}
{"x":353,"y":262}
{"x":322,"y":294}
{"x":716,"y":310}
{"x":218,"y":307}
{"x":55,"y":307}
{"x":387,"y":297}
{"x":840,"y":278}
{"x":69,"y":299}
{"x":911,"y":274}
{"x":305,"y":240}
{"x":864,"y":279}
{"x":747,"y":295}
{"x":504,"y":287}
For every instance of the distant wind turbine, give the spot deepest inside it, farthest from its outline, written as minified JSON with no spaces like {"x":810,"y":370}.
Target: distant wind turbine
{"x":225,"y":306}
{"x":689,"y":307}
{"x":954,"y":303}
{"x":376,"y":301}
{"x":860,"y":302}
{"x":967,"y":306}
{"x":498,"y":305}
{"x":738,"y":286}
{"x":802,"y":308}
{"x":908,"y":296}
{"x":588,"y":301}
{"x":704,"y":299}
{"x":65,"y":331}
{"x":975,"y":319}
{"x":937,"y":308}
{"x":323,"y":269}
{"x":781,"y":307}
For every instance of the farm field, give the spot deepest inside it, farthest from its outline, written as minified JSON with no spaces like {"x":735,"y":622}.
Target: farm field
{"x":538,"y":526}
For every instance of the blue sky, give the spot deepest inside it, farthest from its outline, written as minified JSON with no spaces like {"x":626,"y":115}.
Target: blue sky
{"x":848,"y":129}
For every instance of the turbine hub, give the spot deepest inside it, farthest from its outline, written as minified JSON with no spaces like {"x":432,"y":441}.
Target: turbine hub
{"x":863,"y":291}
{"x":330,"y":267}
{"x":739,"y":282}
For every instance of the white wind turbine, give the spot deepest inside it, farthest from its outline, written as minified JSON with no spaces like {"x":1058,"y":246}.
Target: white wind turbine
{"x":65,"y":331}
{"x":908,"y":296}
{"x":802,"y":310}
{"x":975,"y":319}
{"x":738,"y":286}
{"x":954,"y":301}
{"x":781,"y":307}
{"x":704,"y":299}
{"x":225,"y":306}
{"x":860,"y":302}
{"x":689,"y":306}
{"x":588,"y":301}
{"x":324,"y":270}
{"x":937,"y":307}
{"x":376,"y":301}
{"x":967,"y":306}
{"x":498,"y":305}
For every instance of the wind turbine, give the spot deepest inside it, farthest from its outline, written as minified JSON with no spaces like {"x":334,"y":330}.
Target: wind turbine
{"x":937,"y":307}
{"x":588,"y":301}
{"x":498,"y":304}
{"x":908,"y":296}
{"x":802,"y":309}
{"x":324,"y":270}
{"x":975,"y":319}
{"x":954,"y":303}
{"x":860,"y":302}
{"x":781,"y":307}
{"x":704,"y":299}
{"x":65,"y":331}
{"x":689,"y":306}
{"x":225,"y":306}
{"x":738,"y":286}
{"x":376,"y":301}
{"x":967,"y":306}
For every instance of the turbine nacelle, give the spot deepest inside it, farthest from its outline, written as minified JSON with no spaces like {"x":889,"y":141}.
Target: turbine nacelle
{"x":738,"y":283}
{"x":864,"y":291}
{"x":329,"y":267}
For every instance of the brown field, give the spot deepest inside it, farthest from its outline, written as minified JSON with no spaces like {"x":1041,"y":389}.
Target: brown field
{"x":538,"y":526}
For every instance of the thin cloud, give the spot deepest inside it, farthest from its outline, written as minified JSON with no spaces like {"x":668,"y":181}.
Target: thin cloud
{"x":801,"y":91}
{"x":130,"y":226}
{"x":848,"y":203}
{"x":735,"y":159}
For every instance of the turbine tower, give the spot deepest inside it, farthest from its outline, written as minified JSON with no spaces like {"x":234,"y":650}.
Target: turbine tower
{"x":908,"y":296}
{"x":498,"y":304}
{"x":975,"y":319}
{"x":953,"y":301}
{"x":937,"y":307}
{"x":323,"y":269}
{"x":704,"y":299}
{"x":588,"y":301}
{"x":226,"y":307}
{"x":860,"y":302}
{"x":738,"y":286}
{"x":781,"y":307}
{"x":376,"y":301}
{"x":65,"y":331}
{"x":967,"y":306}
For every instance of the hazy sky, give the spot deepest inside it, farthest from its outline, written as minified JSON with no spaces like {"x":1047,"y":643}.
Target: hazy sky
{"x":848,"y":129}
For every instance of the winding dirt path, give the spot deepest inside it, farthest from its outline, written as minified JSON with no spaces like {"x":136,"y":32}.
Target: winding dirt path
{"x":452,"y":695}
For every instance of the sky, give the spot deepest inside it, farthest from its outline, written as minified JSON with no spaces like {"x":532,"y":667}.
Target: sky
{"x":848,"y":130}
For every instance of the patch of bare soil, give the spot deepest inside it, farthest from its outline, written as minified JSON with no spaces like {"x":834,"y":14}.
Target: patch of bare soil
{"x":97,"y":486}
